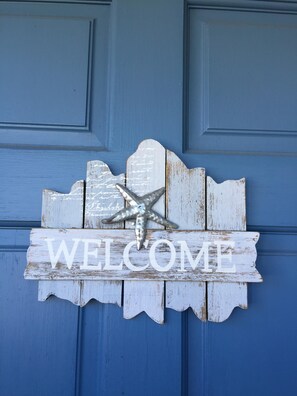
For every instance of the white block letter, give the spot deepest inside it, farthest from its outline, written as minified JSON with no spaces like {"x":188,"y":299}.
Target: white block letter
{"x":153,"y":260}
{"x":69,"y":257}
{"x":108,"y":265}
{"x":93,"y":253}
{"x":194,"y":263}
{"x":226,"y":256}
{"x":126,"y":257}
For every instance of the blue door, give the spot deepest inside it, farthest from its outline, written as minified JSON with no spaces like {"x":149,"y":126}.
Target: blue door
{"x":213,"y":81}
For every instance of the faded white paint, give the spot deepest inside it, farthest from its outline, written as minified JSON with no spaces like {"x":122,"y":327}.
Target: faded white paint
{"x":102,"y":200}
{"x":102,"y":197}
{"x":185,"y":204}
{"x":163,"y":259}
{"x":226,"y":210}
{"x":62,"y":211}
{"x":145,"y":173}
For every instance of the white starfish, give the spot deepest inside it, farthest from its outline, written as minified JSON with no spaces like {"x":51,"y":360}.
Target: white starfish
{"x":140,"y":208}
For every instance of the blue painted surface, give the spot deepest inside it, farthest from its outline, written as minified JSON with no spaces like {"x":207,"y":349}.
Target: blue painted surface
{"x":55,"y":348}
{"x":132,"y":357}
{"x":238,"y":74}
{"x":53,"y":74}
{"x":38,"y":354}
{"x":262,"y":340}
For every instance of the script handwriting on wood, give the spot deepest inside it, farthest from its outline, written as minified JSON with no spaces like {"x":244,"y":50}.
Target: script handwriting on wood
{"x":146,"y":229}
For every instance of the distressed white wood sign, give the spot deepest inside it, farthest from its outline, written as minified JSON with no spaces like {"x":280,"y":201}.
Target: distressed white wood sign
{"x":77,"y":256}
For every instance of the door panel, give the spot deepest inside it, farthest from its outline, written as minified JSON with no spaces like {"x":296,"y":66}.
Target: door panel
{"x":53,"y":74}
{"x":38,"y":355}
{"x":255,"y":352}
{"x":212,"y":81}
{"x":241,"y":87}
{"x":132,"y":357}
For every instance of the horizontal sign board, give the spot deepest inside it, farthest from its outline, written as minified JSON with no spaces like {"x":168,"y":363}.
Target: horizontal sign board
{"x":109,"y":254}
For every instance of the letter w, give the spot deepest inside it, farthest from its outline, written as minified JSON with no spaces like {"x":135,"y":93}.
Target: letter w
{"x":69,"y":256}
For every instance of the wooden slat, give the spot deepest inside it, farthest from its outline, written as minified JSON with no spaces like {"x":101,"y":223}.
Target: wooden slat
{"x":226,"y":205}
{"x":169,"y":255}
{"x":102,"y":197}
{"x":223,"y":298}
{"x":142,"y":298}
{"x":62,"y":211}
{"x":146,"y":173}
{"x":185,"y":194}
{"x":185,"y":205}
{"x":183,"y":295}
{"x":66,"y":290}
{"x":102,"y":291}
{"x":102,"y":200}
{"x":226,"y":210}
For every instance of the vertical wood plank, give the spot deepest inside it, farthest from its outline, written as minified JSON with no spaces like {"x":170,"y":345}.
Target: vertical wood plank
{"x":102,"y":197}
{"x":62,"y":211}
{"x":226,"y":210}
{"x":185,"y":194}
{"x":183,"y":295}
{"x":102,"y":200}
{"x":144,"y":296}
{"x":145,"y":173}
{"x":185,"y":205}
{"x":223,"y":298}
{"x":226,"y":205}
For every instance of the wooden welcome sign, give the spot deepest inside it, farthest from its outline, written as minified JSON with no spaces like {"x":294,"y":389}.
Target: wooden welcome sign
{"x":119,"y":239}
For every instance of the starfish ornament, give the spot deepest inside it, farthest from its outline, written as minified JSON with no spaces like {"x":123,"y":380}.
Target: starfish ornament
{"x":140,"y":208}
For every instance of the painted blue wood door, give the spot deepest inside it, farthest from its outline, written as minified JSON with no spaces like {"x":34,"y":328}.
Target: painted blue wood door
{"x":216,"y":83}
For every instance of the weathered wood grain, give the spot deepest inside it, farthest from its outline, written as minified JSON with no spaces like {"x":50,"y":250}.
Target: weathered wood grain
{"x":102,"y":197}
{"x":143,"y":299}
{"x":185,"y":205}
{"x":223,"y":298}
{"x":62,"y":211}
{"x":92,"y":255}
{"x":183,"y":295}
{"x":185,"y":194}
{"x":226,"y":210}
{"x":102,"y":200}
{"x":103,"y":291}
{"x":145,"y":173}
{"x":66,"y":290}
{"x":226,"y":207}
